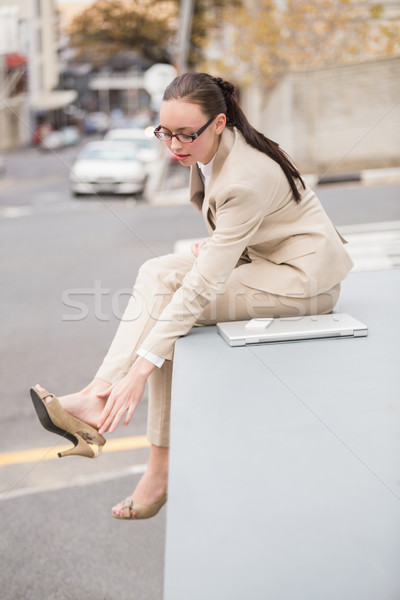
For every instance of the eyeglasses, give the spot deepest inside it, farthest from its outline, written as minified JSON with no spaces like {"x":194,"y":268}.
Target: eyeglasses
{"x":182,"y":137}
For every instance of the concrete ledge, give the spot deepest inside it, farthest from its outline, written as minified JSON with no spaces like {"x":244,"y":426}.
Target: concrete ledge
{"x":284,"y":478}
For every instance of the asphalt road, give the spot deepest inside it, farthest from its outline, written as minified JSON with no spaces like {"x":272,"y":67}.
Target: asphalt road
{"x":67,"y":267}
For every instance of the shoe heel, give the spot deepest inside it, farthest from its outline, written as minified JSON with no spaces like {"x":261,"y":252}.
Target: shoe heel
{"x":86,"y":440}
{"x":82,"y":447}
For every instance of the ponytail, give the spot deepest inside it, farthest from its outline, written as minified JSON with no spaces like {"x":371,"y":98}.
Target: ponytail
{"x":214,"y":96}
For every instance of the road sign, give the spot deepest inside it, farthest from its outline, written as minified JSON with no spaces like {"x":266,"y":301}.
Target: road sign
{"x":156,"y":80}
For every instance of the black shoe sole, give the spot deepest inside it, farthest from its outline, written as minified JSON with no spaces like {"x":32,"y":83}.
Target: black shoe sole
{"x":44,"y":418}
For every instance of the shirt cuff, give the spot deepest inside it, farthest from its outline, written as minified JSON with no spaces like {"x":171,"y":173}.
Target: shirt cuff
{"x":156,"y":360}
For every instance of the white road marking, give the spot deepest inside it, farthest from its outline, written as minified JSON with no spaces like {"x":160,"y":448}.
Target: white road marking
{"x":373,"y":246}
{"x":75,"y":482}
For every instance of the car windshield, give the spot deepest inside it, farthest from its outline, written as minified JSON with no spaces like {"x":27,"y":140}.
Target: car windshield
{"x":144,"y":144}
{"x":141,"y":144}
{"x":109,"y":153}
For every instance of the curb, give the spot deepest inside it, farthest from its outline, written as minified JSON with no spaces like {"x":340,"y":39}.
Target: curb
{"x":367,"y":176}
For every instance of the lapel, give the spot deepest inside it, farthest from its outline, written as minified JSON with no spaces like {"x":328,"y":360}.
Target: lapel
{"x":205,"y":202}
{"x":196,"y":188}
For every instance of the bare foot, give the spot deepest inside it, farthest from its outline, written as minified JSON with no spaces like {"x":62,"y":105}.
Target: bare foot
{"x":153,"y":483}
{"x":84,"y":405}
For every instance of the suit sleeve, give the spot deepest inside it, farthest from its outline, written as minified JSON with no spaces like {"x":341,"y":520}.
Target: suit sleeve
{"x":238,"y":216}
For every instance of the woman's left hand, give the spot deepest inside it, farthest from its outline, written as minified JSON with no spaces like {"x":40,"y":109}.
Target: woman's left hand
{"x":124,"y":396}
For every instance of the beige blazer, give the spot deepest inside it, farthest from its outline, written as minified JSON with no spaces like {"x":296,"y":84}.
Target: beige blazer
{"x":255,"y":225}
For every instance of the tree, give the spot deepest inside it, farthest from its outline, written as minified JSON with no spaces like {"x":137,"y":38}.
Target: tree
{"x":266,"y":38}
{"x":109,"y":27}
{"x":207,"y":15}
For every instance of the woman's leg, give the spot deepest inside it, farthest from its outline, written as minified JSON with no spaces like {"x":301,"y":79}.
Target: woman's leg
{"x":240,"y":303}
{"x":156,"y":282}
{"x":154,"y":482}
{"x":159,"y":388}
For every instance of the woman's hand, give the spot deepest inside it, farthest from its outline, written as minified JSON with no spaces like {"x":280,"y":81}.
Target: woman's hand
{"x":124,"y":396}
{"x":195,"y":248}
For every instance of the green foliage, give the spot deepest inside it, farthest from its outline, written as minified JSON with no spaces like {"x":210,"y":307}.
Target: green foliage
{"x":207,"y":16}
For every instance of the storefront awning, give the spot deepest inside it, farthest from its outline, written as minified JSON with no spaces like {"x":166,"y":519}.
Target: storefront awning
{"x":53,"y":100}
{"x":15,"y":60}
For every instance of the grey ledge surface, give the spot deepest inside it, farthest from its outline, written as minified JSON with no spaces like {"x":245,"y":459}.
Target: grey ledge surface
{"x":285,"y":468}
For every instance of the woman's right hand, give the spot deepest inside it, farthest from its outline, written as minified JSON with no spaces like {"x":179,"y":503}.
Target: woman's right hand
{"x":195,"y":248}
{"x":123,"y":397}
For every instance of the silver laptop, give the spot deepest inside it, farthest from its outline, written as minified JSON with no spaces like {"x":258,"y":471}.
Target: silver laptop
{"x":291,"y":329}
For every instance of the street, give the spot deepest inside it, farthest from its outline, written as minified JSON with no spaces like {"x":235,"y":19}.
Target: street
{"x":67,"y":267}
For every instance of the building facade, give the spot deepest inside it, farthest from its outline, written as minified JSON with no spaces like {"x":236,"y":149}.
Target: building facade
{"x":29,"y":70}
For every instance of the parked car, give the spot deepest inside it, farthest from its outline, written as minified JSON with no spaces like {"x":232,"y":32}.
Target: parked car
{"x":107,"y":167}
{"x":53,"y":140}
{"x":96,"y":122}
{"x":67,"y":136}
{"x":40,"y":132}
{"x":72,"y":135}
{"x":148,"y":149}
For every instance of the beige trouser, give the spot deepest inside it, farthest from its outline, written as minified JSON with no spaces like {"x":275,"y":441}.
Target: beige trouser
{"x":157,"y":281}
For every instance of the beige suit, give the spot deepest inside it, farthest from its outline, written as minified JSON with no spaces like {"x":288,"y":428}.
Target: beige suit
{"x":267,"y":256}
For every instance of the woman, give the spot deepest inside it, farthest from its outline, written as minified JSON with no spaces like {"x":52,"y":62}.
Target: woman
{"x":272,"y":252}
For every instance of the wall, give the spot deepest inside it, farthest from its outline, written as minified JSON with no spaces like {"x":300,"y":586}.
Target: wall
{"x":338,"y":119}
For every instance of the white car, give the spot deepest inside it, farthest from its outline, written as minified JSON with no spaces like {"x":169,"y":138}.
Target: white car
{"x":148,"y":148}
{"x":67,"y":136}
{"x":108,"y":168}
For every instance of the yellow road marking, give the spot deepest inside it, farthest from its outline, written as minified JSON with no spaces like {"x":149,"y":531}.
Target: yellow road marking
{"x":50,"y":452}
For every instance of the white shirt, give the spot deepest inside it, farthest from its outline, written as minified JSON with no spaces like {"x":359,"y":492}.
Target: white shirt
{"x":156,"y":360}
{"x":205,"y":174}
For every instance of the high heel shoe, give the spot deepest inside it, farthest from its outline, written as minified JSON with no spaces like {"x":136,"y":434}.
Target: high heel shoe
{"x":142,"y":511}
{"x":55,"y":419}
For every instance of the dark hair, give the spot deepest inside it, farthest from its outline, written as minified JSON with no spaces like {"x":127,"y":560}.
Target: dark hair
{"x":214,"y":96}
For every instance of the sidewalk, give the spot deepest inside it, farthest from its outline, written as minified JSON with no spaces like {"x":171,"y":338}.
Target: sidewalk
{"x":366,"y":177}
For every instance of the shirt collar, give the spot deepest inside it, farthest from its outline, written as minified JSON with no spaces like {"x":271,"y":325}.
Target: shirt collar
{"x":206,"y":169}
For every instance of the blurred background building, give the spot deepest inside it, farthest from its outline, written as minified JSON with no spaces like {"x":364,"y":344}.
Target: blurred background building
{"x":321,"y":78}
{"x":342,"y":118}
{"x":29,"y":70}
{"x":318,"y":77}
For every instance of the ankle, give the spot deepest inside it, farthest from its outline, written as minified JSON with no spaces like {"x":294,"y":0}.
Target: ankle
{"x":150,"y":488}
{"x":157,"y":474}
{"x":94,"y":387}
{"x":158,"y":461}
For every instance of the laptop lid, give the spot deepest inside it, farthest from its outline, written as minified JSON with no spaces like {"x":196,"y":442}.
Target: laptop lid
{"x":291,"y":329}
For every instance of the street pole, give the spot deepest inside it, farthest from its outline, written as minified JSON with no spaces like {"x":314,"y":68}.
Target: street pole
{"x":185,"y":29}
